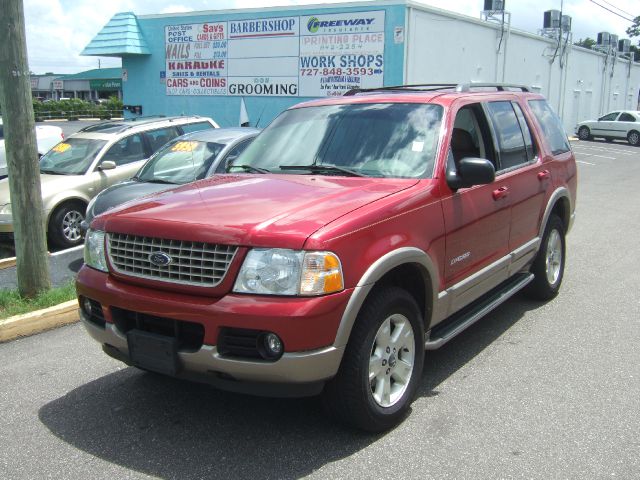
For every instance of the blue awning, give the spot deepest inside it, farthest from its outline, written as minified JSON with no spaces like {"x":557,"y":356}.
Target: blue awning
{"x":120,"y":37}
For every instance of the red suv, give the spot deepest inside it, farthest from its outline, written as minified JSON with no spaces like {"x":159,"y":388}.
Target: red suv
{"x":352,"y":235}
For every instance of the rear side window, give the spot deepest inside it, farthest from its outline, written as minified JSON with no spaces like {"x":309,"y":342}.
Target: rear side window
{"x":195,"y":127}
{"x":625,"y":117}
{"x":511,"y":143}
{"x":157,"y":138}
{"x":551,"y":126}
{"x":129,"y":149}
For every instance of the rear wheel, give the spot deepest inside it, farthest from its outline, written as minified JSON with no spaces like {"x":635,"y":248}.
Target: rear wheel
{"x":548,"y":267}
{"x":633,"y":138}
{"x":584,"y":133}
{"x":64,"y":225}
{"x":382,"y":363}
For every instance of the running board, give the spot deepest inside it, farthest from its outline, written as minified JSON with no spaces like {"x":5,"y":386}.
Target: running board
{"x":460,"y":321}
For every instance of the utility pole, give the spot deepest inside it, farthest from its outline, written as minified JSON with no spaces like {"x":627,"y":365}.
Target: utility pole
{"x":22,"y":154}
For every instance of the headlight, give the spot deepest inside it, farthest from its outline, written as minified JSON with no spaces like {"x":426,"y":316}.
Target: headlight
{"x":276,"y":271}
{"x":94,"y":254}
{"x":89,"y":209}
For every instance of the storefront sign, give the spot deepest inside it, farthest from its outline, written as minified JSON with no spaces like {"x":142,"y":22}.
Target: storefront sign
{"x":309,"y":56}
{"x":58,"y":85}
{"x":102,"y":85}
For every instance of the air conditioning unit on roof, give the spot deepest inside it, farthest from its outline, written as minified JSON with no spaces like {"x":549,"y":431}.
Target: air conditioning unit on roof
{"x":493,"y":5}
{"x":551,"y":19}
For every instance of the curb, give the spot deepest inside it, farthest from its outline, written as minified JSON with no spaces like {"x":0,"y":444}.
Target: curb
{"x":7,"y":262}
{"x":38,"y":321}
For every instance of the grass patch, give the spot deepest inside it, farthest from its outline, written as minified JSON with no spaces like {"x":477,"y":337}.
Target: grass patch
{"x":11,"y":303}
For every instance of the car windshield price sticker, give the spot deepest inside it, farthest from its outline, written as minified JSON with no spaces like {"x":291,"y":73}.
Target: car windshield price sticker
{"x":307,"y":56}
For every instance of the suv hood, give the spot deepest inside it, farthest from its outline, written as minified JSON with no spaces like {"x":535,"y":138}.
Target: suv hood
{"x":249,"y":210}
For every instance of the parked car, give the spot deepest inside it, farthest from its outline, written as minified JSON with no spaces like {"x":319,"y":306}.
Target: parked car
{"x":96,"y":157}
{"x":46,"y":137}
{"x":190,"y":157}
{"x":624,"y":125}
{"x":357,"y":233}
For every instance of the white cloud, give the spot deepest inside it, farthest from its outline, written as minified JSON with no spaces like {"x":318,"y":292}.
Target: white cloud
{"x":176,"y":9}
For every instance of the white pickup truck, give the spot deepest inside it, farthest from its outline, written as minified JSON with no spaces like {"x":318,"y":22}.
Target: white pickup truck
{"x":46,"y":135}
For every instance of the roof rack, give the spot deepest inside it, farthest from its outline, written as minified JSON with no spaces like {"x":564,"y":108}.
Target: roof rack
{"x":432,"y":87}
{"x":125,"y":123}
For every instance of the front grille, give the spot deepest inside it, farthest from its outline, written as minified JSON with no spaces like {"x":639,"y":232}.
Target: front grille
{"x":192,"y":263}
{"x":190,"y":335}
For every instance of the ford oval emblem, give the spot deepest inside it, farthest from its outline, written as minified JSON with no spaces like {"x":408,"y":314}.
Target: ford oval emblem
{"x":160,"y":259}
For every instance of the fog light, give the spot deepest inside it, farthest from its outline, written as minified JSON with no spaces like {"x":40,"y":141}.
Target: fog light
{"x":86,"y":305}
{"x":272,"y":345}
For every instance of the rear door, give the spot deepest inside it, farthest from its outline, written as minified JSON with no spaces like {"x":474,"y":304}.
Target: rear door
{"x":522,"y":175}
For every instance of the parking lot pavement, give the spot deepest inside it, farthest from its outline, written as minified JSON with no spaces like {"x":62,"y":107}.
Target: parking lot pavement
{"x":63,"y":267}
{"x":535,"y":390}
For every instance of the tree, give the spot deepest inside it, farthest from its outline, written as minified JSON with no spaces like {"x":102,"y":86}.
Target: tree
{"x":22,"y":154}
{"x":586,"y":43}
{"x":634,"y":29}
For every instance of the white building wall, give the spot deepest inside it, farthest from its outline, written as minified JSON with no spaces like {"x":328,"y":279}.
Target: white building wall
{"x":447,"y":47}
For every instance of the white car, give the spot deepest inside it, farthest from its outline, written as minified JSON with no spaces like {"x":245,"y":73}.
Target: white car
{"x":623,"y":124}
{"x":46,"y":136}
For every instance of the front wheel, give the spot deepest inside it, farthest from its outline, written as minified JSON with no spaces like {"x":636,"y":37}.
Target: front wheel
{"x":64,"y":225}
{"x":548,"y":266}
{"x":584,"y":133}
{"x":382,"y":363}
{"x":633,"y":138}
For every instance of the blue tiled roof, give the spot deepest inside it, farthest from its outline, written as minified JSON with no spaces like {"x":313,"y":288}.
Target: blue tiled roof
{"x":121,"y":36}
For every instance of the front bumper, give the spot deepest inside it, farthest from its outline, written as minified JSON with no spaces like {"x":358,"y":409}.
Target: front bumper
{"x":307,"y":327}
{"x":294,"y":374}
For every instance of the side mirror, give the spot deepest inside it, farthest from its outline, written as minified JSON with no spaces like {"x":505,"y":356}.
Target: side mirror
{"x":470,"y":172}
{"x":107,"y":165}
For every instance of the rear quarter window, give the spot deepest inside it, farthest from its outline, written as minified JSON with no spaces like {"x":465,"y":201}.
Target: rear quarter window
{"x":554,"y":133}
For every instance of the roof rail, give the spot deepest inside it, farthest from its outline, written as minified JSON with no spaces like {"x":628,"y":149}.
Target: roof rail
{"x":466,"y":87}
{"x":422,"y":87}
{"x":431,"y":87}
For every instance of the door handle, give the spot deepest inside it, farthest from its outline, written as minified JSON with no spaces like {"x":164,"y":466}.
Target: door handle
{"x":544,"y":175}
{"x":501,"y":192}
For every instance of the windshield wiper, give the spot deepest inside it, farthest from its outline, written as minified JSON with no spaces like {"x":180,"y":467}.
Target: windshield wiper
{"x":249,"y":168}
{"x":51,"y":172}
{"x":159,"y":180}
{"x":323,"y":168}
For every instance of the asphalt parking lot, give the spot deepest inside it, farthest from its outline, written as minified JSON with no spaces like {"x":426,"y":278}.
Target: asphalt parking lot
{"x":535,"y":390}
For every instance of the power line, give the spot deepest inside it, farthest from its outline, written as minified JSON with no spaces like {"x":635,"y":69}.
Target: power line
{"x":609,"y":10}
{"x":618,"y":8}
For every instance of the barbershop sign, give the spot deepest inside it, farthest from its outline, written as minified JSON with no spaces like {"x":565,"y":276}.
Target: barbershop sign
{"x":306,"y":56}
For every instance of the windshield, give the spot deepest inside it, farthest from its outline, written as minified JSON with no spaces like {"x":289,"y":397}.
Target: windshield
{"x":377,"y":140}
{"x":180,"y":162}
{"x":71,"y":157}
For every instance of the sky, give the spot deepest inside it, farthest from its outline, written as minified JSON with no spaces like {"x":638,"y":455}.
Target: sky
{"x":58,"y":30}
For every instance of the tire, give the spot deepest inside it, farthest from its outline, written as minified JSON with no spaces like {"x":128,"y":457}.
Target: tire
{"x":64,"y":225}
{"x":584,"y":133}
{"x":548,"y":266}
{"x":382,"y":364}
{"x":633,"y":138}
